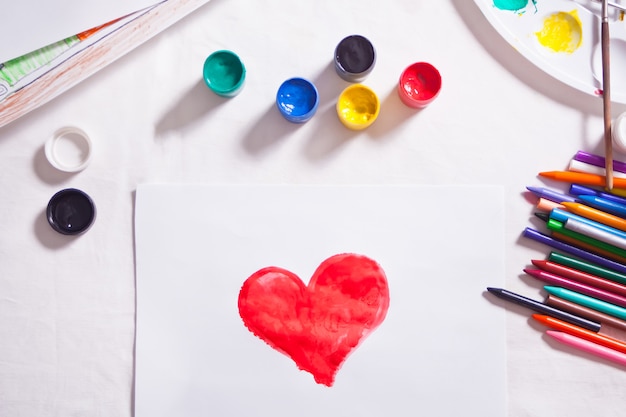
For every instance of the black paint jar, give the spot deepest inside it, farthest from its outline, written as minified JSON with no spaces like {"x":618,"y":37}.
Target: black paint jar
{"x":355,"y":58}
{"x":71,"y":211}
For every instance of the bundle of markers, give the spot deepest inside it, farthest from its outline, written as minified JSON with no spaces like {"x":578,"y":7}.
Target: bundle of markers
{"x":585,"y":273}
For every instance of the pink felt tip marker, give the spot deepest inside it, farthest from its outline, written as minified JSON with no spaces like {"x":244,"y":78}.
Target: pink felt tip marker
{"x":589,"y":347}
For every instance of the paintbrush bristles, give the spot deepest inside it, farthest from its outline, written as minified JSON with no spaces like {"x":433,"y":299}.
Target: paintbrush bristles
{"x":606,"y":96}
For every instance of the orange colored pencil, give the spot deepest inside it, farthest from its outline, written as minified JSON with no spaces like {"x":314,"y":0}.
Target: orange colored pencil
{"x":574,"y":330}
{"x":583,"y":178}
{"x":595,"y":214}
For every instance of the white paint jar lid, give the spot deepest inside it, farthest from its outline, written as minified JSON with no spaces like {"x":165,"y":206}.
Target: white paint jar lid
{"x":69,"y":149}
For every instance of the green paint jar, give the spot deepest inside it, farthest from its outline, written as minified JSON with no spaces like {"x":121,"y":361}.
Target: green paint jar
{"x":224,"y":73}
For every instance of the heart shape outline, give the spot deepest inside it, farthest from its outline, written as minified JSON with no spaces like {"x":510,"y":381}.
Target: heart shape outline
{"x":320,"y":324}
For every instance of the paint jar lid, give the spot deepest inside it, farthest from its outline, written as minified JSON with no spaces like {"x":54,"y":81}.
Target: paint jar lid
{"x":69,"y":149}
{"x":355,"y":57}
{"x":297,"y":100}
{"x":618,"y":132}
{"x":71,"y":211}
{"x":224,"y":73}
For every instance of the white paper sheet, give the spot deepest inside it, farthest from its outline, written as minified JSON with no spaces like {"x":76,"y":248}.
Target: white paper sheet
{"x":440,"y":351}
{"x":32,"y":24}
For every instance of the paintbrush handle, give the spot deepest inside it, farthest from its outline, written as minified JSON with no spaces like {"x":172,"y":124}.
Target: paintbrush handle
{"x":606,"y":96}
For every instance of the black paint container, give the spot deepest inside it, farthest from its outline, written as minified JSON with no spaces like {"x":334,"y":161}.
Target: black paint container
{"x":71,"y":212}
{"x":355,"y":58}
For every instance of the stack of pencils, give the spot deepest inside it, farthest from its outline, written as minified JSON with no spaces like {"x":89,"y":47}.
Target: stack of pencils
{"x":585,"y":272}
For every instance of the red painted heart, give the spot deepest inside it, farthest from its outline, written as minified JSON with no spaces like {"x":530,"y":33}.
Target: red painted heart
{"x":317,"y":325}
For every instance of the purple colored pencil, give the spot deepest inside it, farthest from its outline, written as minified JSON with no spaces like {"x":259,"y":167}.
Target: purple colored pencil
{"x":573,"y":250}
{"x":551,"y":195}
{"x":579,"y":190}
{"x":598,"y":161}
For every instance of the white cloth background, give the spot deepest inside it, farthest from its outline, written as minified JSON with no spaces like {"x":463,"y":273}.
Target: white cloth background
{"x":67,"y":304}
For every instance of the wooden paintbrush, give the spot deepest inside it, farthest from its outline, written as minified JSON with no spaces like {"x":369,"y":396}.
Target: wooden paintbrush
{"x":606,"y":96}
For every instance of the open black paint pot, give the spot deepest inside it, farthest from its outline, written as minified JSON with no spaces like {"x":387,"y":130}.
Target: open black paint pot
{"x":71,"y":212}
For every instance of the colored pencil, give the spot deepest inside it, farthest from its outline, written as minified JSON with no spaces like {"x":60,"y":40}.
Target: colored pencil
{"x":589,"y":267}
{"x":603,"y":204}
{"x":543,"y":216}
{"x":573,"y":250}
{"x":619,"y":192}
{"x":599,"y":161}
{"x":580,"y":276}
{"x":542,"y":308}
{"x":588,"y":313}
{"x":582,"y":178}
{"x":559,"y":227}
{"x":596,"y":215}
{"x":578,"y":166}
{"x":595,"y":233}
{"x":587,"y":301}
{"x":589,"y":247}
{"x":595,"y":337}
{"x":564,"y":215}
{"x":589,"y":347}
{"x":590,"y":290}
{"x":546,"y":205}
{"x":581,"y":241}
{"x":551,"y":195}
{"x":576,"y":190}
{"x":569,"y":239}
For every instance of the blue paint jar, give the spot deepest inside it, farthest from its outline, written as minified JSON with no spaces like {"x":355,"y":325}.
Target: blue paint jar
{"x":297,"y":100}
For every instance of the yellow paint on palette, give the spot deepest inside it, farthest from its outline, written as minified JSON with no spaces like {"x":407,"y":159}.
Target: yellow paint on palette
{"x":561,"y":32}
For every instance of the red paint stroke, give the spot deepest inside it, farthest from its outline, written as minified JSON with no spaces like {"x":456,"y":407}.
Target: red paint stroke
{"x":317,"y":325}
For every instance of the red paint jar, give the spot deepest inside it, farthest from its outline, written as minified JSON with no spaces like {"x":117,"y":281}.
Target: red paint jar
{"x":419,"y":84}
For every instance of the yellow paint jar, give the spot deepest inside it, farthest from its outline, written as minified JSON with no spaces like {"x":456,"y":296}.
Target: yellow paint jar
{"x":358,"y":107}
